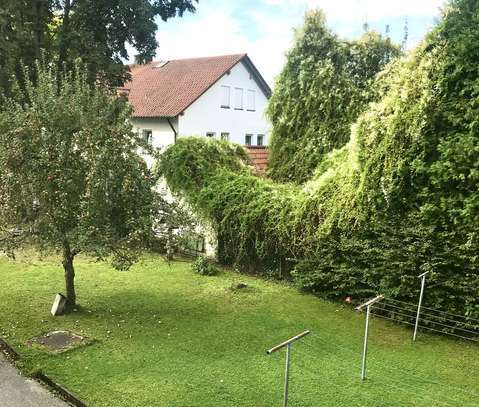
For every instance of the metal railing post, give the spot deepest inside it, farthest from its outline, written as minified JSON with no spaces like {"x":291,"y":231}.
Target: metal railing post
{"x":286,"y":375}
{"x":365,"y":347}
{"x":366,"y":332}
{"x":423,"y":284}
{"x":287,"y":344}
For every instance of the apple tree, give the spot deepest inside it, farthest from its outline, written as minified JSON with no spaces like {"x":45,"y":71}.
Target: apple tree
{"x":72,"y":178}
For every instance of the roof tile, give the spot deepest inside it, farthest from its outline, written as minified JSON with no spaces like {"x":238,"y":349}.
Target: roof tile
{"x":167,"y":89}
{"x":259,"y":157}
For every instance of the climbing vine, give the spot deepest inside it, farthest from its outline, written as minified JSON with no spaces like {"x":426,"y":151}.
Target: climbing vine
{"x":399,"y":198}
{"x":324,"y":86}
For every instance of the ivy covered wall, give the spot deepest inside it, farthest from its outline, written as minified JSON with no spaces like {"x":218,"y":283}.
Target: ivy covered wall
{"x":399,"y":198}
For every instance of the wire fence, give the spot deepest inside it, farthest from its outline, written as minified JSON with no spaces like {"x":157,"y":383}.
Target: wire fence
{"x":444,"y":324}
{"x":410,"y":383}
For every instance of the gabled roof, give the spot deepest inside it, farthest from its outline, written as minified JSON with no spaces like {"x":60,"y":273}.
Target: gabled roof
{"x":165,"y":89}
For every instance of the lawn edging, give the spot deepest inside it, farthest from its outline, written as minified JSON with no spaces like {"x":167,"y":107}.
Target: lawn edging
{"x":63,"y":392}
{"x":8,"y":350}
{"x":41,"y":377}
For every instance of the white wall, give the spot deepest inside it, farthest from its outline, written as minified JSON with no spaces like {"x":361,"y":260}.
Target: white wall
{"x":162,"y":134}
{"x":207,"y":115}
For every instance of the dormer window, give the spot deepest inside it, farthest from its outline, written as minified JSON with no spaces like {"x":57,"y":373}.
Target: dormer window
{"x":225,"y":97}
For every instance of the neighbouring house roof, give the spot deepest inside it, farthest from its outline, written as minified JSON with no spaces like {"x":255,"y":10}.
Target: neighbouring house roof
{"x":166,"y":89}
{"x":259,"y":157}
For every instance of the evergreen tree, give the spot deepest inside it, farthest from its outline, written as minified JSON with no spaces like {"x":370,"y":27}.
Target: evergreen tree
{"x":326,"y":83}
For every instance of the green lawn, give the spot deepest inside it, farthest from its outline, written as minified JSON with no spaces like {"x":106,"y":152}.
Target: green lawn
{"x":163,"y":336}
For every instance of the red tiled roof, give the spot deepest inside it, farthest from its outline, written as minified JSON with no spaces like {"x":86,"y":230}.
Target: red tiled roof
{"x":157,"y":90}
{"x":259,"y":157}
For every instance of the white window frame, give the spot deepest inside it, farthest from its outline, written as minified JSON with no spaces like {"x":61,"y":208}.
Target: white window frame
{"x":251,"y":100}
{"x":210,"y":134}
{"x":258,"y":138}
{"x":250,"y":139}
{"x":238,"y":98}
{"x":225,"y":136}
{"x":225,"y":96}
{"x":147,"y":136}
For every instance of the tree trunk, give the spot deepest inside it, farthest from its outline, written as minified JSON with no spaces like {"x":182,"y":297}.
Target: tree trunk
{"x":69,"y":276}
{"x":169,"y":246}
{"x":38,"y":29}
{"x":64,"y":34}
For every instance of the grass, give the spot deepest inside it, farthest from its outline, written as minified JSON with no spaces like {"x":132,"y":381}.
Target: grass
{"x":164,"y":336}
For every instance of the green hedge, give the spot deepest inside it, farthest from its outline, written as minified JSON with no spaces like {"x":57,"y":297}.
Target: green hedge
{"x":400,"y":198}
{"x":326,"y":84}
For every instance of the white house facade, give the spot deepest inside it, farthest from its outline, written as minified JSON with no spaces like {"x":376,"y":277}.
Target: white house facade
{"x":222,"y":97}
{"x":233,"y":108}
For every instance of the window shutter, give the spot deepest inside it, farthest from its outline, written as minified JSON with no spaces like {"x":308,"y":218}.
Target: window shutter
{"x":238,"y":98}
{"x":225,"y":96}
{"x":250,"y":105}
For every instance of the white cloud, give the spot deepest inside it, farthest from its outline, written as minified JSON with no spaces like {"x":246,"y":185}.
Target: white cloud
{"x":263,"y":29}
{"x":217,"y":31}
{"x":372,"y":10}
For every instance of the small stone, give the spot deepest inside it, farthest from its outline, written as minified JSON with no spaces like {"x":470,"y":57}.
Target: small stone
{"x":59,"y":305}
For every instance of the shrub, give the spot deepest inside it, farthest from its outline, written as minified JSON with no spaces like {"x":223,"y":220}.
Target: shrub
{"x":204,"y":267}
{"x":401,"y":197}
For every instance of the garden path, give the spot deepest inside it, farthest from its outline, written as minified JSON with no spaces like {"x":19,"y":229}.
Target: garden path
{"x":19,"y":391}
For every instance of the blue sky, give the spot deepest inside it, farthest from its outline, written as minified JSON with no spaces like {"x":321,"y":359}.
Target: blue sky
{"x":264,"y":28}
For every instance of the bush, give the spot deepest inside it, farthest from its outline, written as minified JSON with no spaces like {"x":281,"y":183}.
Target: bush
{"x":326,"y":84}
{"x":204,"y":267}
{"x":401,"y":198}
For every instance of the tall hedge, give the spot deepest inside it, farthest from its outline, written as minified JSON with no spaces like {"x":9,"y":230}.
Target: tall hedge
{"x":401,"y":197}
{"x":324,"y":86}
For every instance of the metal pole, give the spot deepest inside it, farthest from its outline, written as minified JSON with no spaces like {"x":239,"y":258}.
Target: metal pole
{"x":286,"y":374}
{"x":423,"y":284}
{"x":287,"y":344}
{"x":367,"y":305}
{"x":365,"y":348}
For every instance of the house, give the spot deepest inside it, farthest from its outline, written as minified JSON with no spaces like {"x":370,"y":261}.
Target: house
{"x":222,"y":97}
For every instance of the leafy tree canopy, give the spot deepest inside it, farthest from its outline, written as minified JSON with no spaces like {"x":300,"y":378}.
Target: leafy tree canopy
{"x":71,"y":177}
{"x":401,"y":197}
{"x":97,"y":31}
{"x":326,"y":83}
